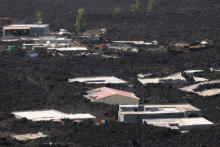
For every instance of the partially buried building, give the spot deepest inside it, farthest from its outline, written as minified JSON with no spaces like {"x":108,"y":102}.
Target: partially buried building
{"x":112,"y":96}
{"x":136,"y":113}
{"x":26,"y":30}
{"x":182,"y":117}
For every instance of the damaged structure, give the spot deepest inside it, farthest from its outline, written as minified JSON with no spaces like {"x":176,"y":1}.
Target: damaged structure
{"x":182,"y":117}
{"x":28,"y":136}
{"x":26,"y":30}
{"x":136,"y":113}
{"x":52,"y":115}
{"x":112,"y":96}
{"x":99,"y":80}
{"x":181,"y":124}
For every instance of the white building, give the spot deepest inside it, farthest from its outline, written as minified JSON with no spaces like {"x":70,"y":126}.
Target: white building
{"x":181,"y":124}
{"x":54,"y":115}
{"x":135,"y":114}
{"x":26,"y":30}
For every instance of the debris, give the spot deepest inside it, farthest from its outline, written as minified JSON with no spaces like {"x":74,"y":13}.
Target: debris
{"x":28,"y":136}
{"x":149,"y":80}
{"x":32,"y":54}
{"x":98,"y":80}
{"x":209,"y":92}
{"x":198,"y":79}
{"x":176,"y":76}
{"x":192,"y":71}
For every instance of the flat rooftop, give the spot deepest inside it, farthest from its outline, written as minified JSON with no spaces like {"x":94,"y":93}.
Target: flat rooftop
{"x":28,"y":136}
{"x":180,"y":107}
{"x":98,"y":80}
{"x":176,"y":123}
{"x":72,"y":49}
{"x":154,"y":108}
{"x":27,"y":25}
{"x":175,"y":76}
{"x":47,"y":115}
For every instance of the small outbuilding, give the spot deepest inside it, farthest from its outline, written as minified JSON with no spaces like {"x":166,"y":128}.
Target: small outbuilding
{"x":112,"y":96}
{"x":26,"y":30}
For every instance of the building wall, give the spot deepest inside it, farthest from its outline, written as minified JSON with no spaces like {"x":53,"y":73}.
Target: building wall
{"x":193,"y":114}
{"x":41,"y":31}
{"x":197,"y":126}
{"x":16,"y":32}
{"x":34,"y":31}
{"x":137,"y":118}
{"x":118,"y":100}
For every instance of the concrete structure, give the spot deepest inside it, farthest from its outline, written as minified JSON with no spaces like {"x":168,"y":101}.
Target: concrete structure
{"x":70,"y":49}
{"x":26,"y":30}
{"x":48,"y":115}
{"x":112,"y":96}
{"x":99,"y":80}
{"x":137,"y":42}
{"x":181,"y":124}
{"x":175,"y":77}
{"x":28,"y":136}
{"x":135,"y":113}
{"x":208,"y":92}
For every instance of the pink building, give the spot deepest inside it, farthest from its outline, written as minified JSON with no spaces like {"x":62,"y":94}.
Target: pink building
{"x":112,"y":96}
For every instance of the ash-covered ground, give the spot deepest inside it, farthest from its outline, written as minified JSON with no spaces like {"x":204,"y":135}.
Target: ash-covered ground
{"x":173,"y":20}
{"x":42,"y":82}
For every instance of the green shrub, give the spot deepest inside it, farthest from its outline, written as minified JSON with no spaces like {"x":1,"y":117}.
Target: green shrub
{"x":80,"y":20}
{"x":136,"y":7}
{"x":152,"y":5}
{"x":38,"y":17}
{"x":116,"y":11}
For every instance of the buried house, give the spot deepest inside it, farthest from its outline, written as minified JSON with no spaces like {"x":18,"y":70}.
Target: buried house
{"x":182,"y":117}
{"x":181,"y":124}
{"x":136,"y":113}
{"x":26,"y":30}
{"x":98,"y":80}
{"x":52,"y":115}
{"x":112,"y":96}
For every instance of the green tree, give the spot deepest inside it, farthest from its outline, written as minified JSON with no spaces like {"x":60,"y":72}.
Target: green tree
{"x":80,"y":20}
{"x":38,"y":17}
{"x":136,"y":7}
{"x":116,"y":11}
{"x":152,"y":5}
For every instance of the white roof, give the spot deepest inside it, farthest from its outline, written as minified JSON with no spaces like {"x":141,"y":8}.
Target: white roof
{"x":27,"y":25}
{"x":161,"y":108}
{"x":99,"y":80}
{"x":28,"y":136}
{"x":176,"y":76}
{"x":193,"y":71}
{"x":180,"y":122}
{"x":72,"y":49}
{"x":209,"y":92}
{"x":47,"y":115}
